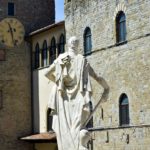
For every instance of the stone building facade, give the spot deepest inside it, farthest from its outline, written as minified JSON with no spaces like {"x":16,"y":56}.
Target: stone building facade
{"x":125,"y":66}
{"x":40,"y":82}
{"x":41,"y":87}
{"x":15,"y":72}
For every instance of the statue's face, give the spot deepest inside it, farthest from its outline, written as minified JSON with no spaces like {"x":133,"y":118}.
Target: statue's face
{"x":73,"y":42}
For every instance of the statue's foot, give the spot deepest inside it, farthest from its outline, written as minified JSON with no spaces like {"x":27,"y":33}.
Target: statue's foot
{"x":84,"y":139}
{"x":83,"y":148}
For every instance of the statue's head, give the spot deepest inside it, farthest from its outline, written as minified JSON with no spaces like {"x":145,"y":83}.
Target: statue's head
{"x":73,"y":42}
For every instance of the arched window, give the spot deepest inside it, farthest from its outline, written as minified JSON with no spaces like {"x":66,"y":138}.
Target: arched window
{"x":121,"y":27}
{"x":37,"y":52}
{"x":124,"y":110}
{"x":44,"y":54}
{"x":53,"y":50}
{"x":61,"y":44}
{"x":49,"y":120}
{"x":87,"y":41}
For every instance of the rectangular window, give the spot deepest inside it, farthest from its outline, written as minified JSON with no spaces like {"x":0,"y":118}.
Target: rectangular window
{"x":1,"y":103}
{"x":2,"y":55}
{"x":11,"y":10}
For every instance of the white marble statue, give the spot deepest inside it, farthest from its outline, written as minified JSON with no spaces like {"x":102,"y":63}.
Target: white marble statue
{"x":70,"y":97}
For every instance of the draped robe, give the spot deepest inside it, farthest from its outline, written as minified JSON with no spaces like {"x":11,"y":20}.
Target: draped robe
{"x":69,"y":99}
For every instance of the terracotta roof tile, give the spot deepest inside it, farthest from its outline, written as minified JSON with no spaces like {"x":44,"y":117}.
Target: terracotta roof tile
{"x":49,"y":136}
{"x":46,"y":28}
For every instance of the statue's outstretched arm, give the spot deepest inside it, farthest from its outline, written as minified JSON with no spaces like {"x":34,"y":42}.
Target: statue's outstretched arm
{"x":105,"y":93}
{"x":101,"y":81}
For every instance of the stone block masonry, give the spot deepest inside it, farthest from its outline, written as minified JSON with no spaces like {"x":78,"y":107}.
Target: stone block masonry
{"x":125,"y":67}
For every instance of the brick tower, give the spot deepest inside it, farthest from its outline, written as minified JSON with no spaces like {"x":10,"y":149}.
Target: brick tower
{"x":33,"y":14}
{"x":15,"y":71}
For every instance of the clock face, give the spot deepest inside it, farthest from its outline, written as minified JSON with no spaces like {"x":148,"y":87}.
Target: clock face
{"x":11,"y":32}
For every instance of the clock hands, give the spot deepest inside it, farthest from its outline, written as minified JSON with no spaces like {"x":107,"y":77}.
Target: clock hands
{"x":12,"y":35}
{"x":11,"y":32}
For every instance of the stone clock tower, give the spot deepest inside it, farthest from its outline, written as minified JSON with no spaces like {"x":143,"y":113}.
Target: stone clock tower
{"x":17,"y":19}
{"x":33,"y":14}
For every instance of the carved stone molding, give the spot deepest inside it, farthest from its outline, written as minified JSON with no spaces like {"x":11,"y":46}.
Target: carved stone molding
{"x":120,"y":7}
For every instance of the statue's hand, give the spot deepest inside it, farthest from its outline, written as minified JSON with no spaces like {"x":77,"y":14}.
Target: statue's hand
{"x":66,"y":59}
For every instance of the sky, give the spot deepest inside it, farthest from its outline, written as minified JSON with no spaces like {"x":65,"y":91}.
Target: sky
{"x":59,"y":10}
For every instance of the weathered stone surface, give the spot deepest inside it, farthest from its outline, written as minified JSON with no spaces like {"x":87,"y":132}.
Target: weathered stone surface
{"x":15,"y":83}
{"x":126,"y":68}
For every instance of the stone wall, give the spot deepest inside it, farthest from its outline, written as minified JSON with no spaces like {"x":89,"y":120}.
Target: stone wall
{"x":126,"y":67}
{"x":33,"y":14}
{"x":15,"y":84}
{"x":136,"y":138}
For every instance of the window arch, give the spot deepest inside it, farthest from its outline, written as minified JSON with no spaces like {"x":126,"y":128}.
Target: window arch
{"x":49,"y":120}
{"x":121,"y":27}
{"x":44,"y":54}
{"x":87,"y":41}
{"x":37,"y":52}
{"x":61,"y":44}
{"x":124,"y":110}
{"x":53,"y":50}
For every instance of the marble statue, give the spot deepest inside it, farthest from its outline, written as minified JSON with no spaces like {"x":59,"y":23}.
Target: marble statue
{"x":70,"y":97}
